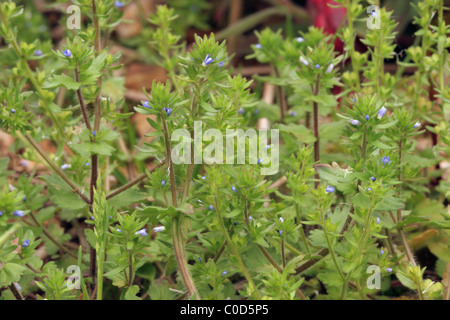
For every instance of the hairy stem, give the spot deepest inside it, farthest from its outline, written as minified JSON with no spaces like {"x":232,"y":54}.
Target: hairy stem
{"x":281,"y":98}
{"x":177,"y":224}
{"x":51,"y":164}
{"x":15,"y":292}
{"x":51,"y":238}
{"x":133,"y":182}
{"x":316,"y":91}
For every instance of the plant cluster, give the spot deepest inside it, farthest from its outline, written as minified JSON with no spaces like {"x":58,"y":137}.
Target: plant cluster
{"x":352,"y":202}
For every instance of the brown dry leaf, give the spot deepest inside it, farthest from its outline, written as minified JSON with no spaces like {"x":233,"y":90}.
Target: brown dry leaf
{"x":421,"y":239}
{"x":134,"y":12}
{"x":140,"y":76}
{"x":48,"y":146}
{"x":5,"y":143}
{"x":446,"y":282}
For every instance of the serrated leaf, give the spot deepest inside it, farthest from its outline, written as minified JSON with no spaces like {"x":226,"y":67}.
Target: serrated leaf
{"x":62,"y":80}
{"x":11,"y":272}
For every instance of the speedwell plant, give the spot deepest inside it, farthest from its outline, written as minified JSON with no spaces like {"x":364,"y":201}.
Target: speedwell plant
{"x":353,"y":199}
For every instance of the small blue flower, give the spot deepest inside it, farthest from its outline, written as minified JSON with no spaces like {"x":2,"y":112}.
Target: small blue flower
{"x":281,"y":219}
{"x":369,"y":189}
{"x":241,"y":111}
{"x":260,"y":161}
{"x":67,"y":53}
{"x":330,"y":189}
{"x":92,"y":218}
{"x":94,"y":133}
{"x":163,"y":183}
{"x":366,"y":117}
{"x":19,"y":213}
{"x":211,"y":207}
{"x":19,"y":288}
{"x":378,"y":220}
{"x":280,"y":232}
{"x":258,"y":46}
{"x":26,"y":243}
{"x":118,"y":230}
{"x":389,"y":270}
{"x":354,"y":100}
{"x":118,"y":4}
{"x":1,"y":213}
{"x":146,"y":104}
{"x":372,"y":178}
{"x":13,"y":111}
{"x":233,"y":188}
{"x":381,"y":112}
{"x":38,"y":53}
{"x":142,"y":232}
{"x":293,"y":113}
{"x":221,"y":63}
{"x":354,"y":122}
{"x":250,"y":218}
{"x":24,"y":199}
{"x":65,"y":166}
{"x":203,"y":177}
{"x":268,"y":146}
{"x":416,"y":125}
{"x":159,"y":229}
{"x":300,"y":39}
{"x":235,"y":223}
{"x":381,"y":252}
{"x":317,"y":66}
{"x":86,"y":164}
{"x":208,"y":60}
{"x":199,"y":259}
{"x":224,"y":273}
{"x":373,"y":13}
{"x":256,"y":111}
{"x":386,"y":160}
{"x":168,"y":111}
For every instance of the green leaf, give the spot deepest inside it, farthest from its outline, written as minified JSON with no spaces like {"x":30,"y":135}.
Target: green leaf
{"x":90,"y":237}
{"x":406,"y":281}
{"x":389,"y":204}
{"x":11,"y":272}
{"x":128,"y":197}
{"x":132,"y":292}
{"x":298,"y":130}
{"x":85,"y":149}
{"x":62,"y":80}
{"x":67,"y":199}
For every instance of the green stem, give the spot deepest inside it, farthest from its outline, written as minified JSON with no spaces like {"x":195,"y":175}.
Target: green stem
{"x":51,"y":238}
{"x":330,"y":247}
{"x":302,"y":232}
{"x":234,"y":249}
{"x":99,"y":276}
{"x":365,"y":234}
{"x":316,"y":90}
{"x":399,"y":212}
{"x":134,"y":181}
{"x":177,"y":224}
{"x":43,"y":155}
{"x":281,"y":98}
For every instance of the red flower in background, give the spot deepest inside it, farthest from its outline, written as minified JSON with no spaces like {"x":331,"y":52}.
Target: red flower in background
{"x":328,"y":18}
